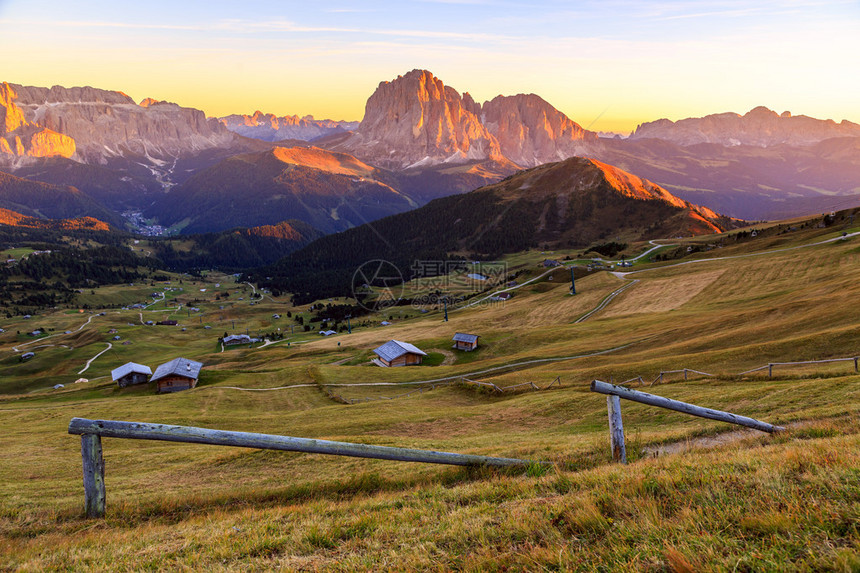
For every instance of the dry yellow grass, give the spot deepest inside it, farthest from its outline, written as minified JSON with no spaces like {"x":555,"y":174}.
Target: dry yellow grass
{"x":661,"y":295}
{"x":745,"y":506}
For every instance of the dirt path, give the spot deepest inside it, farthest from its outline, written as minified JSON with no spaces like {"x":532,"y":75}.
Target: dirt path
{"x":605,"y":301}
{"x":78,"y":329}
{"x":90,"y":361}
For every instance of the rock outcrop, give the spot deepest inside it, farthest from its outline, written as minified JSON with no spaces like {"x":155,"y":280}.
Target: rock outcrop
{"x":416,"y":120}
{"x":269,"y":127}
{"x":19,"y":138}
{"x":759,"y":127}
{"x":531,"y":132}
{"x":108,"y":124}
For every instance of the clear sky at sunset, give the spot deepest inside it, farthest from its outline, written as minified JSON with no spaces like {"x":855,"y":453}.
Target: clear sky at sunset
{"x":609,"y":65}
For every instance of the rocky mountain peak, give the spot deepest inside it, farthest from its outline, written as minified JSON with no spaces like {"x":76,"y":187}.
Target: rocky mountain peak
{"x":19,"y":138}
{"x":12,"y":117}
{"x":532,"y":132}
{"x":104,"y":125}
{"x":416,"y":119}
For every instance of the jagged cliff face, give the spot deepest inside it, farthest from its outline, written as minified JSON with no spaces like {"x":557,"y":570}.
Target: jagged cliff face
{"x":268,"y":127}
{"x":760,"y":127}
{"x":417,"y":121}
{"x":106,"y":124}
{"x":20,"y":139}
{"x":531,"y":132}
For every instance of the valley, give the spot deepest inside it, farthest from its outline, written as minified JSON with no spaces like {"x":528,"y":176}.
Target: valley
{"x":719,"y":304}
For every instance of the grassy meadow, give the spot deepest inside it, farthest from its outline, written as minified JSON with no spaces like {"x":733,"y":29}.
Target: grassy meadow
{"x":696,"y":495}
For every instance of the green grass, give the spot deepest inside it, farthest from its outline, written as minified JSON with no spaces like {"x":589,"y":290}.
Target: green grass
{"x":783,"y":502}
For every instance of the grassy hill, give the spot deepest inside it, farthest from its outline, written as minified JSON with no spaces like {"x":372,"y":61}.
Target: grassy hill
{"x":714,"y":499}
{"x":569,"y":204}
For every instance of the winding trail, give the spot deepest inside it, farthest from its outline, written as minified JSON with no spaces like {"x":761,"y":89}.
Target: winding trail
{"x":605,"y":301}
{"x":90,"y":361}
{"x":78,"y":329}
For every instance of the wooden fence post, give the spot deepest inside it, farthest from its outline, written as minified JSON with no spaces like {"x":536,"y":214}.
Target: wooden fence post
{"x":685,"y":373}
{"x":855,"y":363}
{"x":692,"y":409}
{"x":616,"y":429}
{"x":94,"y":475}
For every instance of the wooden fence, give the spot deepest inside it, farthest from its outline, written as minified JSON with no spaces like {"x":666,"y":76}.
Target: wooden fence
{"x":769,"y":366}
{"x":616,"y":427}
{"x":91,"y":432}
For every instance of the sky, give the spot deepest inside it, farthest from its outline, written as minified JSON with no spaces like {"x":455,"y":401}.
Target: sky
{"x":609,"y":65}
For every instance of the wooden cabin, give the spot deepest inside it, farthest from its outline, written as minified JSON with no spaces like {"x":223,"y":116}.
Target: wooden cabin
{"x":178,"y":374}
{"x":397,"y":353}
{"x":130,"y":373}
{"x":467,"y":342}
{"x":236,"y":339}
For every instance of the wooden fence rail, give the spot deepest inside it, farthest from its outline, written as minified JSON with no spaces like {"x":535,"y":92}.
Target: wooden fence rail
{"x":617,"y":430}
{"x":769,"y":366}
{"x":686,"y":372}
{"x":91,"y":432}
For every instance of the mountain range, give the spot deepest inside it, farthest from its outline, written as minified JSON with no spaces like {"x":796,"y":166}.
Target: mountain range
{"x":269,"y":127}
{"x":419,"y":140}
{"x":570,"y":203}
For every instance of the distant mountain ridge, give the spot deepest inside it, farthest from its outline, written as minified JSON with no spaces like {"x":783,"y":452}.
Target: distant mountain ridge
{"x":269,"y":127}
{"x":421,"y":139}
{"x":759,"y":127}
{"x":109,"y":124}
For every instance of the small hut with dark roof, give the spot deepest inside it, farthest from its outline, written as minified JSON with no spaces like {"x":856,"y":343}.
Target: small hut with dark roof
{"x":467,"y":342}
{"x":397,"y":353}
{"x":130,"y":373}
{"x":178,"y":374}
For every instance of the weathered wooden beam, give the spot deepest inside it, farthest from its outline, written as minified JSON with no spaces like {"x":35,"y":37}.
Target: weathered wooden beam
{"x":693,"y":410}
{"x":193,"y":435}
{"x":616,"y":429}
{"x":94,"y":475}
